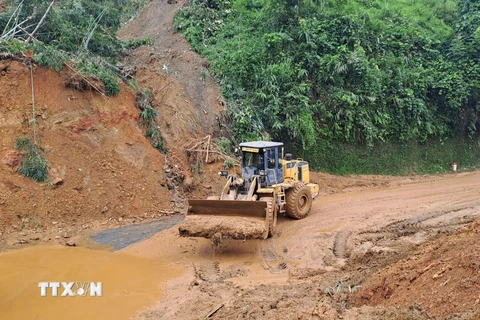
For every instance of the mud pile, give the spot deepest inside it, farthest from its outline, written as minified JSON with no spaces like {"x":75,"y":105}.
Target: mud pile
{"x":442,"y":277}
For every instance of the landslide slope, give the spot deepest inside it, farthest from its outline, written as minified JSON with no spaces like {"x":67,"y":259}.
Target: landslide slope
{"x":102,"y":164}
{"x":188,"y":100}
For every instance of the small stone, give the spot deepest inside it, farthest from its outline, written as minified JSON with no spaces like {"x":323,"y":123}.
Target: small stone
{"x":57,"y":237}
{"x":22,"y":241}
{"x":119,"y":220}
{"x":65,"y":235}
{"x":35,"y":238}
{"x":70,"y":244}
{"x":54,"y":222}
{"x":12,"y":158}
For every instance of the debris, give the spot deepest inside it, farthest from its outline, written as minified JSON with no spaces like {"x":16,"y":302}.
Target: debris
{"x":214,"y":310}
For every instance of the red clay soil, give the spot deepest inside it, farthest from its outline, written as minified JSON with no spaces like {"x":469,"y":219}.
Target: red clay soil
{"x":102,"y":164}
{"x":442,"y":277}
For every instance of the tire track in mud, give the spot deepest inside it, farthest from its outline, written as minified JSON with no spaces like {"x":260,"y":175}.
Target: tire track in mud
{"x":340,"y":243}
{"x":429,"y":224}
{"x":415,"y":224}
{"x":437,"y":221}
{"x":272,"y":260}
{"x":208,"y":271}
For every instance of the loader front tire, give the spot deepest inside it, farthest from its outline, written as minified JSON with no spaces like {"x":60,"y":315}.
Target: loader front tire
{"x":271,"y":215}
{"x":299,"y":201}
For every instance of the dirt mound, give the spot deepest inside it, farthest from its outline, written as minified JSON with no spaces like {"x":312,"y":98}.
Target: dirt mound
{"x":442,"y":277}
{"x":103,"y":166}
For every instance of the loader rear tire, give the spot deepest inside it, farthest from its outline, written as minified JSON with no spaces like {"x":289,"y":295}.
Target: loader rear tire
{"x":299,"y":201}
{"x":271,"y":214}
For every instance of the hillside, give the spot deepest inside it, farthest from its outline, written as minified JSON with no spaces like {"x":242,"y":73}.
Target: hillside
{"x":101,"y":164}
{"x":103,"y":169}
{"x":386,"y":87}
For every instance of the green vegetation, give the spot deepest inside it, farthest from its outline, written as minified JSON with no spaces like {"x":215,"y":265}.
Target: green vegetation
{"x":148,"y":119}
{"x":80,"y":31}
{"x":395,"y":81}
{"x":33,"y":165}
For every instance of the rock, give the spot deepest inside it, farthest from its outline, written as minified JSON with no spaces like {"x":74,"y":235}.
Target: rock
{"x":70,"y":244}
{"x":66,"y":236}
{"x":54,"y":222}
{"x":34,"y":238}
{"x":22,"y":241}
{"x":57,"y":237}
{"x":57,"y":175}
{"x":12,"y":158}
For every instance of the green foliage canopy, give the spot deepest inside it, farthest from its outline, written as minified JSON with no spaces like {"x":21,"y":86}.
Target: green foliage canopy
{"x":348,"y":71}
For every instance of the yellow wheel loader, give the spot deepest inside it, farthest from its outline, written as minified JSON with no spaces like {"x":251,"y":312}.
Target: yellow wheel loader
{"x":271,"y":183}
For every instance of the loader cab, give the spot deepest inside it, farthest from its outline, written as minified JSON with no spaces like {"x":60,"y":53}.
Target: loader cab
{"x":262,"y":158}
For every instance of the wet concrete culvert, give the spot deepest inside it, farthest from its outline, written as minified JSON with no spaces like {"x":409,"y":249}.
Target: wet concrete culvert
{"x":122,"y":237}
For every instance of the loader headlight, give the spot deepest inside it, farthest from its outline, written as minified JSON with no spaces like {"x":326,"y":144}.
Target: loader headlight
{"x":223,"y":173}
{"x":262,"y":173}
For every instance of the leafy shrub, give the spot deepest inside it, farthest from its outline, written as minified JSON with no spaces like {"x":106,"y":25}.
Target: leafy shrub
{"x":33,"y":165}
{"x":225,"y":145}
{"x":156,"y":139}
{"x":228,"y":163}
{"x":135,"y":43}
{"x":47,"y":56}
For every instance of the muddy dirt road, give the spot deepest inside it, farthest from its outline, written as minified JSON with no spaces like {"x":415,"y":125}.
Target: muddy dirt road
{"x":316,"y":268}
{"x":290,"y":275}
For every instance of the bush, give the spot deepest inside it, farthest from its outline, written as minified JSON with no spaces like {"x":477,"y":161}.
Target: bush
{"x":225,"y":145}
{"x":33,"y":164}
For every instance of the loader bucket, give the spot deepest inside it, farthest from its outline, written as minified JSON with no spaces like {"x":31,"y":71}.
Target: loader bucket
{"x":239,"y":220}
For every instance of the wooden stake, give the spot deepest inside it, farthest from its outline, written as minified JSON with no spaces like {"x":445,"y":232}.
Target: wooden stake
{"x":208,"y":146}
{"x":220,"y":306}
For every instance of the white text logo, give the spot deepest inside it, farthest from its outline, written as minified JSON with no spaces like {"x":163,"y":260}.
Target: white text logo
{"x":71,"y":289}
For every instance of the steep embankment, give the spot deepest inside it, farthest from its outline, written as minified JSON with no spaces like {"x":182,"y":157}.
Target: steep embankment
{"x":188,"y":100}
{"x":101,"y":163}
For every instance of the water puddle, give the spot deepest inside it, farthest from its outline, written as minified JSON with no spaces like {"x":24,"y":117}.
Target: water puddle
{"x":122,"y":237}
{"x":128,"y":283}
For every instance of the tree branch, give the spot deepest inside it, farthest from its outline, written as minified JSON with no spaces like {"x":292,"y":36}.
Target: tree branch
{"x":41,"y":21}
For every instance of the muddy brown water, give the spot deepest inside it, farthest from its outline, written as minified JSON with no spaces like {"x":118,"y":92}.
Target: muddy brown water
{"x":129,"y":283}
